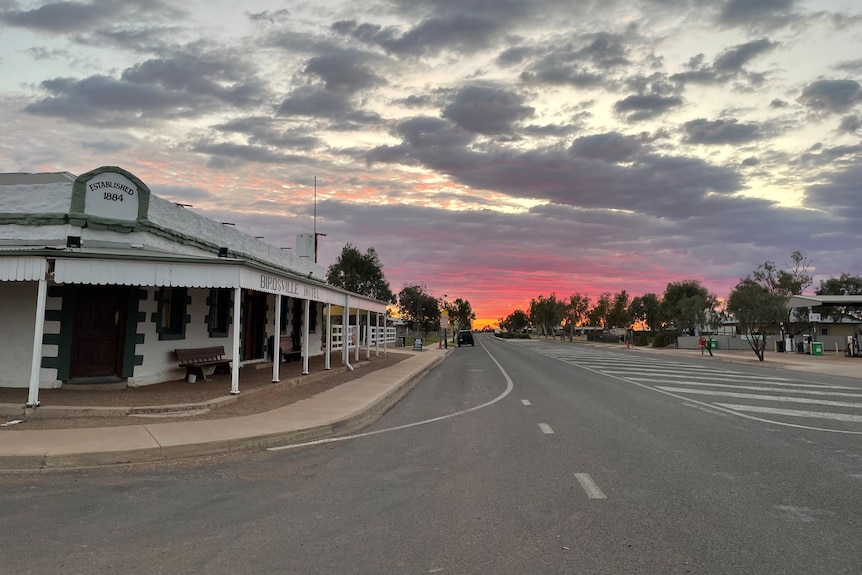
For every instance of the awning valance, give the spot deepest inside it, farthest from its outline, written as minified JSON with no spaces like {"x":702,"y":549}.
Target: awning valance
{"x":144,"y":273}
{"x":22,"y":269}
{"x":200,"y":275}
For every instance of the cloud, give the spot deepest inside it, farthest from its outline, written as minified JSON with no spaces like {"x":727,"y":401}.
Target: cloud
{"x":850,"y":124}
{"x":586,"y":175}
{"x":344,"y":72}
{"x":487,"y":110}
{"x":733,"y":59}
{"x":263,"y":130}
{"x":316,"y":102}
{"x":609,"y":147}
{"x":819,"y":156}
{"x":757,"y":13}
{"x":839,"y":196}
{"x":426,"y":140}
{"x":463,"y":33}
{"x":727,"y":66}
{"x":267,"y":16}
{"x":246,"y":153}
{"x":102,"y":100}
{"x":71,"y":17}
{"x":639,"y":107}
{"x":703,"y":131}
{"x":189,"y":84}
{"x":205,"y":76}
{"x":831,"y":96}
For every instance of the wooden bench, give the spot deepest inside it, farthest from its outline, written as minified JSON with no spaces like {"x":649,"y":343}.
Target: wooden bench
{"x":196,"y":359}
{"x":288,"y":350}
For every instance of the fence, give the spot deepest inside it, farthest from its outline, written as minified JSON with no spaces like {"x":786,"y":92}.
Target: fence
{"x":739,"y":342}
{"x":383,"y":334}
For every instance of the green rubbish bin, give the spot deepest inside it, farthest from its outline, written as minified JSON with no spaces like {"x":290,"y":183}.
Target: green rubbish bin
{"x":713,"y":344}
{"x":816,"y":348}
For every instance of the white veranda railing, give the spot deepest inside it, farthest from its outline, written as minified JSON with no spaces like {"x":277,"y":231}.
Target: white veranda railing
{"x":372,"y":337}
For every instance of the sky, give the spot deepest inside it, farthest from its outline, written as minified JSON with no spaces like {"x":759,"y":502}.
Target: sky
{"x":489,"y":150}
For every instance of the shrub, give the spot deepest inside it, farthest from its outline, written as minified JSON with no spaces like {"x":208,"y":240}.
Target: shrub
{"x":643,"y":340}
{"x":660,"y":340}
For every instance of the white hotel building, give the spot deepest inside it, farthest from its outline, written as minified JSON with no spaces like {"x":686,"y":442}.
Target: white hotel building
{"x":101,"y":282}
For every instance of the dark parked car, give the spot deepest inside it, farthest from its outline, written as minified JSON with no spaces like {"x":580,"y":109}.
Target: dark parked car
{"x":465,"y":337}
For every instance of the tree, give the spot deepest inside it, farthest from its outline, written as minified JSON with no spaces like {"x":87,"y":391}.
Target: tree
{"x":758,"y":310}
{"x":419,"y":308}
{"x":843,"y":285}
{"x":647,"y":310}
{"x":515,"y":321}
{"x":715,"y":318}
{"x":598,"y":314}
{"x":618,"y":314}
{"x":784,"y":282}
{"x":360,"y":273}
{"x":575,"y":312}
{"x":685,"y":304}
{"x":546,"y":313}
{"x":461,"y":312}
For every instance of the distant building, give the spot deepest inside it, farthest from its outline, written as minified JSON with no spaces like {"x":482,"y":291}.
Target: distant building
{"x":101,"y":281}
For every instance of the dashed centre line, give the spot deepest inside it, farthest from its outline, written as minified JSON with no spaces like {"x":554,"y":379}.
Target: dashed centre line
{"x":587,"y":483}
{"x":546,"y":429}
{"x":526,"y":402}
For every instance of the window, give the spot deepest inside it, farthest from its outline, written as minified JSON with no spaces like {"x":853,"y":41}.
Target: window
{"x":824,"y":331}
{"x":219,"y":315}
{"x":171,"y":317}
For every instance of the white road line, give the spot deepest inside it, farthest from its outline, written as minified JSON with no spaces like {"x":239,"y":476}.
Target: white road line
{"x":526,"y":402}
{"x":697,"y":373}
{"x":761,"y":388}
{"x":777,"y":384}
{"x":758,"y":396}
{"x":716,"y":405}
{"x":546,"y":429}
{"x":593,"y":491}
{"x":510,"y":386}
{"x":792,"y":412}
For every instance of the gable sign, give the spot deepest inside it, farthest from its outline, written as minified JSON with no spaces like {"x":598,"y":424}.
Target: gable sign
{"x":109,"y":196}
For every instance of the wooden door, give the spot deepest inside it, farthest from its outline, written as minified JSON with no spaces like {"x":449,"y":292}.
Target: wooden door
{"x":98,"y":330}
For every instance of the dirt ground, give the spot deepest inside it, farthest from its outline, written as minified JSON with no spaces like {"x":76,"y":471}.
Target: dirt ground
{"x":257,"y":394}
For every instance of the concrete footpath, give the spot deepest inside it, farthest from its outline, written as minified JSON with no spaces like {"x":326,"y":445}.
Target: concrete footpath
{"x":337,"y":411}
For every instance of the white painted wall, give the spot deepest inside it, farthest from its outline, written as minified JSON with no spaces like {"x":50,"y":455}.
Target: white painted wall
{"x":160,"y":363}
{"x":17,"y":314}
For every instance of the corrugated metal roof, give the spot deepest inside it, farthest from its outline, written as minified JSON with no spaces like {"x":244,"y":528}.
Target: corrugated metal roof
{"x":19,"y":178}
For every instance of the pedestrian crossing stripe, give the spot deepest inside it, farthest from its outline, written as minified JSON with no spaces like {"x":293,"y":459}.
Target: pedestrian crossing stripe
{"x":777,"y":386}
{"x":759,"y":397}
{"x":684,"y":380}
{"x":792,"y":412}
{"x":762,"y":388}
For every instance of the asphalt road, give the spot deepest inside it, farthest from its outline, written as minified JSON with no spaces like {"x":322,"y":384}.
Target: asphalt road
{"x":509,"y":458}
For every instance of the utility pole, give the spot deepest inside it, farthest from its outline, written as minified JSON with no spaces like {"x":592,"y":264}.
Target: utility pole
{"x":316,"y":235}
